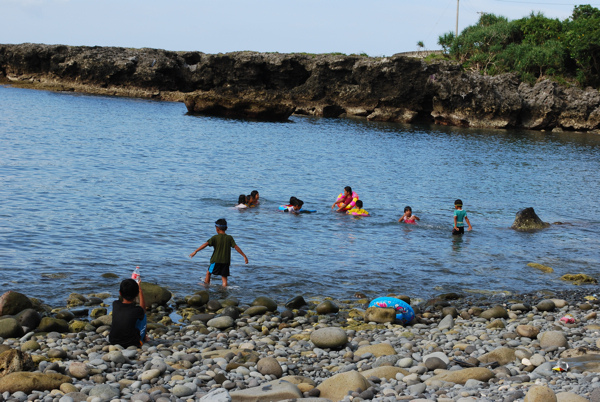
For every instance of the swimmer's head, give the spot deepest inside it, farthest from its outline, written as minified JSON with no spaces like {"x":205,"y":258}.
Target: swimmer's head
{"x":221,"y":224}
{"x":458,"y":203}
{"x":348,"y":190}
{"x":359,"y":204}
{"x":298,"y":204}
{"x":407,"y":209}
{"x":242,"y":199}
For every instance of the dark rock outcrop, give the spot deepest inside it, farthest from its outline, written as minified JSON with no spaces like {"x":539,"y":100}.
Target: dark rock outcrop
{"x":527,"y":219}
{"x":271,"y":86}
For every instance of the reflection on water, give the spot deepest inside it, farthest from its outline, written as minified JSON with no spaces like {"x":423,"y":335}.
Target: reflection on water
{"x":92,"y":185}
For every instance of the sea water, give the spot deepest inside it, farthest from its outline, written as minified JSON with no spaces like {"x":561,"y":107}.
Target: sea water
{"x":93,"y":185}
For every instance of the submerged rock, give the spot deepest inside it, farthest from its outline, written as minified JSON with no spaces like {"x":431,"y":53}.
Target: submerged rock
{"x":578,"y":279}
{"x":527,"y":219}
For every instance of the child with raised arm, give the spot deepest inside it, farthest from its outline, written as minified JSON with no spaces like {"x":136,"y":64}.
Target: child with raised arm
{"x":460,"y":217}
{"x":221,"y":256}
{"x":129,"y":320}
{"x":408,"y":217}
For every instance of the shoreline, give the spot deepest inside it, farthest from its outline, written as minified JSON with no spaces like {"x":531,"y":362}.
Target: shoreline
{"x":273,"y":86}
{"x":494,"y":348}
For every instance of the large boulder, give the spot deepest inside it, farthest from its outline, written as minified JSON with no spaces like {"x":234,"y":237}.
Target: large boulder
{"x":12,"y":303}
{"x":29,"y":318}
{"x":337,"y":387}
{"x":155,"y":294}
{"x":49,"y":324}
{"x":13,"y":360}
{"x":330,"y":337}
{"x":10,"y":328}
{"x":269,"y":303}
{"x":527,"y":219}
{"x":27,"y":382}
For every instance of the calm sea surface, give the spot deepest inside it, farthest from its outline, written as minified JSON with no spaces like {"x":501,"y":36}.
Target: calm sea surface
{"x":92,"y":185}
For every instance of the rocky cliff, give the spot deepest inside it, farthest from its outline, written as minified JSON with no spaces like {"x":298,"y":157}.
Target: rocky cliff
{"x":273,"y":86}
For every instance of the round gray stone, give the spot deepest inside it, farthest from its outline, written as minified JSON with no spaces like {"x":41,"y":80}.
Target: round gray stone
{"x":330,"y":337}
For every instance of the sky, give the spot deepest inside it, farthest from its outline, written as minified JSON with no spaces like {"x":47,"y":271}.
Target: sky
{"x":376,"y":27}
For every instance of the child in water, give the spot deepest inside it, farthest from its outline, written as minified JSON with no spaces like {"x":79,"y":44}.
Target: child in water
{"x":241,"y":202}
{"x":255,"y":197}
{"x":221,"y":256}
{"x":296,"y":205}
{"x":459,"y":217}
{"x":357,"y":210}
{"x":408,"y":217}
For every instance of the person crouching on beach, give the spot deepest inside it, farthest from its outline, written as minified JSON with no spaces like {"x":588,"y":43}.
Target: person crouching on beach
{"x":129,"y":320}
{"x":221,"y":256}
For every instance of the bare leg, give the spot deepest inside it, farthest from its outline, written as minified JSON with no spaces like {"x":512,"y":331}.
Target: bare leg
{"x":207,"y":279}
{"x":224,"y":280}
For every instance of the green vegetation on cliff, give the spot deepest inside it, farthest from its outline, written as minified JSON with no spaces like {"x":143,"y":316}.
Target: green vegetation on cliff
{"x":535,"y":47}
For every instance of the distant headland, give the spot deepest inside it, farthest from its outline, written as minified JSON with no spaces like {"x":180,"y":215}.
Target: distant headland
{"x":273,"y":86}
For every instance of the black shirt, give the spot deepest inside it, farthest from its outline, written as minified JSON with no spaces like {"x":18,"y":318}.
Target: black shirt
{"x":123,"y":331}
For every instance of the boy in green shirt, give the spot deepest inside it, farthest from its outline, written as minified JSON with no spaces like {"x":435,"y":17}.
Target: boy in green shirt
{"x":221,"y":257}
{"x":459,"y":216}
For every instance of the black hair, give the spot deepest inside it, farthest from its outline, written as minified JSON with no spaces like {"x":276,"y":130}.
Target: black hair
{"x":348,"y":189}
{"x":299,"y":203}
{"x":129,"y":289}
{"x":359,"y":203}
{"x":253,"y":193}
{"x":221,"y":224}
{"x":458,"y":202}
{"x":407,"y":208}
{"x":242,"y":199}
{"x":249,"y":197}
{"x":293,"y":200}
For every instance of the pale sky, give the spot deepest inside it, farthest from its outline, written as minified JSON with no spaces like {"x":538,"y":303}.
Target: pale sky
{"x":376,"y":27}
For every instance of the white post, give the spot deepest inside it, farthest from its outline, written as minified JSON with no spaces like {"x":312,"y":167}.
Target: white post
{"x":457,"y":17}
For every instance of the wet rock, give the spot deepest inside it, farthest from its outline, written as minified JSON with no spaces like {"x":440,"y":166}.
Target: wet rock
{"x":527,"y":219}
{"x":155,"y":294}
{"x":578,"y":279}
{"x":213,"y":305}
{"x":269,"y":303}
{"x":337,"y":387}
{"x":380,"y":315}
{"x":256,"y":310}
{"x":327,"y":307}
{"x":541,"y":267}
{"x":27,"y":382}
{"x":10,"y":328}
{"x":77,"y":326}
{"x":49,"y":324}
{"x":76,"y":299}
{"x":29,"y":318}
{"x":222,"y":322}
{"x":295,"y":303}
{"x":12,"y":303}
{"x":198,"y":299}
{"x":329,"y":337}
{"x":232,"y":312}
{"x":65,"y":315}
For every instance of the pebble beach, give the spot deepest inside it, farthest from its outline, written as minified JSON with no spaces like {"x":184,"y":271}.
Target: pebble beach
{"x":497,"y":348}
